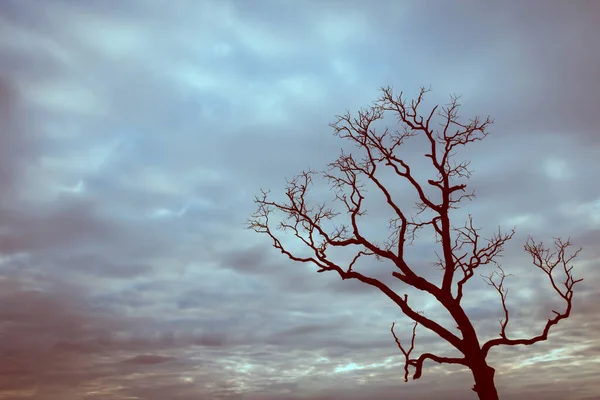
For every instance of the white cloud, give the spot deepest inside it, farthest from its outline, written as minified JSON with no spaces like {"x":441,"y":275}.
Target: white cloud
{"x":556,"y":168}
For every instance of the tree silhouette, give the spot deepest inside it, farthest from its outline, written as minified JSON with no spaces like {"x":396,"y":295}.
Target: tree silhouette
{"x":463,"y":250}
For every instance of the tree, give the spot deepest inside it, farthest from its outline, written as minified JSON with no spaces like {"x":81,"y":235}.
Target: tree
{"x":463,"y":250}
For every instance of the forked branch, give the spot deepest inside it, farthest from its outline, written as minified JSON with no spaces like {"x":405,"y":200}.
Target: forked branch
{"x":417,"y":363}
{"x":546,"y":261}
{"x":467,"y":237}
{"x":503,"y":291}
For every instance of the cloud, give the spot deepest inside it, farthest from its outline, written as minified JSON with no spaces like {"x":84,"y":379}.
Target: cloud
{"x":148,"y":359}
{"x":134,"y":136}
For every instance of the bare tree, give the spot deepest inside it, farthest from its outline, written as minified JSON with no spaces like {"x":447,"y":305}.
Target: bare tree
{"x":463,"y":250}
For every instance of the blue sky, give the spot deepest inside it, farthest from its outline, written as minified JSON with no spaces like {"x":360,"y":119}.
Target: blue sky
{"x":135,"y":135}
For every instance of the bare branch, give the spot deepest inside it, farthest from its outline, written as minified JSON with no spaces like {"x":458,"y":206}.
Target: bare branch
{"x":305,"y":223}
{"x":406,"y":353}
{"x":468,"y":236}
{"x":417,"y":363}
{"x":499,"y":286}
{"x":547,"y":262}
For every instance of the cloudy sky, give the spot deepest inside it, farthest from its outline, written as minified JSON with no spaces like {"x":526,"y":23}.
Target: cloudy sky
{"x":134,"y":135}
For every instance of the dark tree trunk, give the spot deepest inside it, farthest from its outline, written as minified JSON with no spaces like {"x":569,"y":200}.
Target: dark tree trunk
{"x":484,"y":381}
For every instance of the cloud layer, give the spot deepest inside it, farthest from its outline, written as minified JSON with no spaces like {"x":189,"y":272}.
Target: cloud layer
{"x":135,"y":134}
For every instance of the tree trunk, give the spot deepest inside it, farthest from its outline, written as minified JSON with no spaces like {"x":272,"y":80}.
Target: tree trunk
{"x":484,"y":381}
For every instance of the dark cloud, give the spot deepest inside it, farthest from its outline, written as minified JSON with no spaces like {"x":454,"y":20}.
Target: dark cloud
{"x":148,"y":359}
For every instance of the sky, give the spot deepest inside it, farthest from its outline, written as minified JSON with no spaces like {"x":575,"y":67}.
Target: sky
{"x":135,"y":134}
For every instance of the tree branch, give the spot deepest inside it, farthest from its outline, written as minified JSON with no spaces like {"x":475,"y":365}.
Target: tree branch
{"x":499,"y":286}
{"x":477,"y":256}
{"x":545,"y":261}
{"x":417,"y":363}
{"x":304,"y":219}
